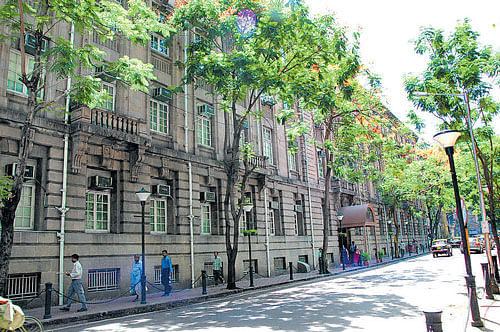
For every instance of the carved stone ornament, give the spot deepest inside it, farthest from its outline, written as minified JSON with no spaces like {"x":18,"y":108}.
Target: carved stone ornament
{"x":7,"y":145}
{"x":79,"y":153}
{"x":163,"y":171}
{"x":210,"y":177}
{"x":107,"y":156}
{"x":136,"y":160}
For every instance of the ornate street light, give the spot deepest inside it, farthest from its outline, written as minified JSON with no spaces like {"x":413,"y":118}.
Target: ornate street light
{"x":143,"y":196}
{"x":447,"y":139}
{"x":247,"y":208}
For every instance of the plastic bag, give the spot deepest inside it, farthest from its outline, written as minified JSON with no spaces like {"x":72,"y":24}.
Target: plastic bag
{"x":11,"y":315}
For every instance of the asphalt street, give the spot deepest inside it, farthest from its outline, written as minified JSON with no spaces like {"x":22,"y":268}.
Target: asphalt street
{"x":391,"y":298}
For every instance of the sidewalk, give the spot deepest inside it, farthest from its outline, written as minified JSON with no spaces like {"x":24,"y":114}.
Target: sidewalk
{"x":125,"y":306}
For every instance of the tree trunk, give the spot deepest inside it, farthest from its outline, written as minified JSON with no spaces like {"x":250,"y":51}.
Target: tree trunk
{"x":396,"y":226}
{"x":326,"y":219}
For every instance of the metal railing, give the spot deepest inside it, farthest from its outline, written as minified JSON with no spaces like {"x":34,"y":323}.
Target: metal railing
{"x":103,"y":279}
{"x":23,"y":286}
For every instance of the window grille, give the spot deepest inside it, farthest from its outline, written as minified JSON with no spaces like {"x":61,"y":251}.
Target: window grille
{"x":100,"y":280}
{"x":23,"y":286}
{"x":157,"y":276}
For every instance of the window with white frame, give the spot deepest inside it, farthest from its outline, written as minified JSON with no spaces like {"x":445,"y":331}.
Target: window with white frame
{"x":296,"y":225}
{"x":270,"y":222}
{"x":14,"y":72}
{"x":97,"y":210}
{"x":158,"y":215}
{"x":109,"y":103}
{"x":206,"y":220}
{"x":292,"y":161}
{"x":158,"y":116}
{"x":26,"y":208}
{"x":243,"y":222}
{"x":267,"y":143}
{"x":160,"y":44}
{"x":204,"y":126}
{"x":321,"y":158}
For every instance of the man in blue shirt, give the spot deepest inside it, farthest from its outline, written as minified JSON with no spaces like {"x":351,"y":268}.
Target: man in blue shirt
{"x":166,"y":272}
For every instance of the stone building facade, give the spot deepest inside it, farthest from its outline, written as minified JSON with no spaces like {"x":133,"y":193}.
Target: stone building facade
{"x":172,"y":147}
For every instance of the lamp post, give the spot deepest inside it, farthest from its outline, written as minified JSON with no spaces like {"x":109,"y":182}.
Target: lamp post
{"x":340,"y":217}
{"x":407,"y":228}
{"x":143,"y":196}
{"x":447,"y":139}
{"x":484,"y":223}
{"x":248,"y":208}
{"x":389,"y":221}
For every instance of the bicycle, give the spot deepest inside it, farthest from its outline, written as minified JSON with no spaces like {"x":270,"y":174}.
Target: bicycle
{"x":31,"y":324}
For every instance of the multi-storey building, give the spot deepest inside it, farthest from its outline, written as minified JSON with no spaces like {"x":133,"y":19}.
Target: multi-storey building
{"x":171,"y":145}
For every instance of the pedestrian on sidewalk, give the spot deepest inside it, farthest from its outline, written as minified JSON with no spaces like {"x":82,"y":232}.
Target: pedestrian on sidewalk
{"x":135,"y":278}
{"x":217,"y":268}
{"x":320,"y":260}
{"x":166,"y":272}
{"x":356,"y":259}
{"x":352,"y":251}
{"x":345,"y":257}
{"x":76,"y":285}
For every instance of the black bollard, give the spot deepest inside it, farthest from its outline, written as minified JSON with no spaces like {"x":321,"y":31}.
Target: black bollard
{"x":433,"y":321}
{"x":495,"y":267}
{"x":203,"y":282}
{"x":290,"y":264}
{"x":487,"y":282}
{"x":48,"y":300}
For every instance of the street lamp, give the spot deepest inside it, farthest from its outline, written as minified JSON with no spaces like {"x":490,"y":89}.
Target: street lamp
{"x":247,"y":208}
{"x":389,"y":221}
{"x":447,"y":139}
{"x":407,"y":228}
{"x":143,"y":196}
{"x":344,"y":244}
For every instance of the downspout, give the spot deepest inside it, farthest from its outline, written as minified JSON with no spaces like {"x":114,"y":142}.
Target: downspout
{"x":266,"y":218}
{"x":190,"y":166}
{"x":64,"y":209}
{"x":309,"y":196}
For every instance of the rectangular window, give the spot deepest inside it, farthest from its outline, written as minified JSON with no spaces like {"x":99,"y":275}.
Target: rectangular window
{"x":206,"y":219}
{"x":158,"y":116}
{"x":204,"y":130}
{"x":304,"y":259}
{"x":279,"y":264}
{"x":160,"y":44}
{"x":243,"y":222}
{"x":292,"y":161}
{"x":97,"y":211}
{"x":157,"y":272}
{"x":23,"y":286}
{"x":158,"y":215}
{"x":14,"y":72}
{"x":26,"y":208}
{"x":272,"y":229}
{"x":267,"y":142}
{"x":321,"y":159}
{"x":109,"y":103}
{"x":100,"y":280}
{"x":246,"y":266}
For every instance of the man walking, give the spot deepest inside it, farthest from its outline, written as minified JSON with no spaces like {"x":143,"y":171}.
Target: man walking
{"x":76,"y":285}
{"x":135,"y":278}
{"x":352,"y":251}
{"x":217,"y":268}
{"x":166,"y":272}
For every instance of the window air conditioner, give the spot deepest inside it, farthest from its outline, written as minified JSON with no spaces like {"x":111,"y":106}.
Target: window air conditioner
{"x":162,"y":94}
{"x":30,"y":44}
{"x":161,"y":190}
{"x":206,"y":110}
{"x":275,"y":205}
{"x":29,"y":172}
{"x":101,"y":182}
{"x":208,"y":196}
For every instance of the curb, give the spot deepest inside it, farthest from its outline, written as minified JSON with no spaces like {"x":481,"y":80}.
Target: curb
{"x":91,"y":317}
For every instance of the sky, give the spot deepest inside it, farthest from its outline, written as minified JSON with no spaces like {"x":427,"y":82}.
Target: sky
{"x":387,"y":28}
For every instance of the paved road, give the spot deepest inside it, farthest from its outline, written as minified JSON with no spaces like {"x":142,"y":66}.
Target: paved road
{"x":391,"y":298}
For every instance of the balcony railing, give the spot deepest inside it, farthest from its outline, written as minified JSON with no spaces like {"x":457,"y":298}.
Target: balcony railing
{"x":343,"y":185}
{"x":258,"y":161}
{"x":113,"y":121}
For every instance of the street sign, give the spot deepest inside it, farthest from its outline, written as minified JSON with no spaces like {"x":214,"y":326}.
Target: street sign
{"x":464,"y":211}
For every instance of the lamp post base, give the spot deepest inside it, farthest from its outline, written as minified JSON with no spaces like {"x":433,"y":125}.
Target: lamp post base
{"x":474,"y":308}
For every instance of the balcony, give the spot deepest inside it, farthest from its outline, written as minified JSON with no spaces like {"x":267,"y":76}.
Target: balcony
{"x":260,"y":162}
{"x":104,"y":123}
{"x":343,"y":186}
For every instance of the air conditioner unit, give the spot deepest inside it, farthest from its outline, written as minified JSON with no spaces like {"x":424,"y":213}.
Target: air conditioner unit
{"x":245,"y":124}
{"x":298,"y":208}
{"x":206,"y":110}
{"x":161,"y":190}
{"x":103,"y":73}
{"x":29,"y":172}
{"x":30,"y":44}
{"x":208,"y":196}
{"x":275,"y":205}
{"x":162,"y":94}
{"x":101,"y":182}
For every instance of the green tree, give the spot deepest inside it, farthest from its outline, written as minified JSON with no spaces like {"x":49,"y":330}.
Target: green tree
{"x":242,"y":63}
{"x":459,"y":65}
{"x":53,"y":54}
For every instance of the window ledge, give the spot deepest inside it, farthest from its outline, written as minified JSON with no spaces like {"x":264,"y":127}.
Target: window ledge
{"x":158,"y":53}
{"x":94,"y":231}
{"x":206,"y":147}
{"x":158,"y":233}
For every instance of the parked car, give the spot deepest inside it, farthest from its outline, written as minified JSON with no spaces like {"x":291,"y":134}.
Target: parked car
{"x":441,"y":247}
{"x":455,"y":242}
{"x":475,"y":245}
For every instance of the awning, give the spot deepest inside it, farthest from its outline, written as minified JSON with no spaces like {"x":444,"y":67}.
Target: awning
{"x":357,"y":216}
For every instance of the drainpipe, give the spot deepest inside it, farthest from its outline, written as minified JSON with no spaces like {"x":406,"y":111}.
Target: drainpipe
{"x":190,"y":166}
{"x":309,"y":197}
{"x":266,"y":218}
{"x":63,"y":209}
